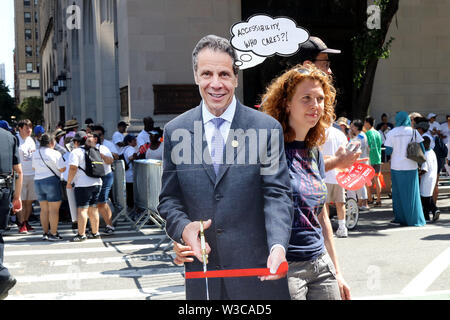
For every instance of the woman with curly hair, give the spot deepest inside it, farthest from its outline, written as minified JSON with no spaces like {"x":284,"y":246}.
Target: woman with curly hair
{"x":302,"y":100}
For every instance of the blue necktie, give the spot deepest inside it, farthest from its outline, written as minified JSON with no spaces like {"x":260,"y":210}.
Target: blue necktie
{"x":217,"y":144}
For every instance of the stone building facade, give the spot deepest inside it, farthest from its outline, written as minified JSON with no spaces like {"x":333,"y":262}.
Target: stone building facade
{"x":26,"y":53}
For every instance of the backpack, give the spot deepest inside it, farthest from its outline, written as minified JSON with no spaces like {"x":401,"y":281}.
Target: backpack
{"x":127,"y":165}
{"x":94,"y":163}
{"x":440,"y":148}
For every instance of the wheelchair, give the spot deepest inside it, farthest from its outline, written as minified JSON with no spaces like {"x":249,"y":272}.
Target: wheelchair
{"x":351,"y":212}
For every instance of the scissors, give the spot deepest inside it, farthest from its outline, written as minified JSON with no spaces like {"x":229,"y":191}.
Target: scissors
{"x":204,"y":255}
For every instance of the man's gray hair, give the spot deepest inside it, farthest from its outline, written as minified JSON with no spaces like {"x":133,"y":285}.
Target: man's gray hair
{"x":215,"y":43}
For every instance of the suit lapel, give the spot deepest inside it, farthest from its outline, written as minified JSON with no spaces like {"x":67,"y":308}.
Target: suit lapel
{"x":200,"y":145}
{"x":238,"y":123}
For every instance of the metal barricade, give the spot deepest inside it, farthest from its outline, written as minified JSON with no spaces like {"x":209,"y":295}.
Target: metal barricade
{"x":146,"y":188}
{"x":119,"y":193}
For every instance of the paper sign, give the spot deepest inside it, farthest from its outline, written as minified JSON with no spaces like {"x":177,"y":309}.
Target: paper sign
{"x":262,"y":36}
{"x":360,"y":174}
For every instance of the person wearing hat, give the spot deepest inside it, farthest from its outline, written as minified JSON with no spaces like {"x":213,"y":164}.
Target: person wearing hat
{"x":58,"y":134}
{"x":38,"y":132}
{"x":71,"y":127}
{"x":422,"y":126}
{"x":342,"y":122}
{"x":435,"y":127}
{"x":155,"y":150}
{"x":119,"y":135}
{"x":129,"y":154}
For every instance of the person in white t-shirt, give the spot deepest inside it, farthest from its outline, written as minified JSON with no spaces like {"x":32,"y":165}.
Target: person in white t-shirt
{"x":155,"y":151}
{"x":435,"y":127}
{"x":107,"y":179}
{"x":336,"y":194}
{"x":119,"y":135}
{"x":144,"y":136}
{"x":26,"y":149}
{"x":428,"y":177}
{"x":48,"y":165}
{"x":130,"y":154}
{"x":87,"y":189}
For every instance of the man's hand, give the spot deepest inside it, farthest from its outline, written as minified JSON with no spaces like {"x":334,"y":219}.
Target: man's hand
{"x":183,"y":253}
{"x":276,"y":257}
{"x":342,"y":159}
{"x":17,"y":204}
{"x":191,"y":236}
{"x":344,"y":289}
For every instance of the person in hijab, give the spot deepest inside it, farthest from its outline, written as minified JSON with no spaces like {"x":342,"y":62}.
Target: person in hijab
{"x":404,"y":174}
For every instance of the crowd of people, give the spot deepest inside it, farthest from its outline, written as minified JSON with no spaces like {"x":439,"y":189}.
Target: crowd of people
{"x":56,"y":175}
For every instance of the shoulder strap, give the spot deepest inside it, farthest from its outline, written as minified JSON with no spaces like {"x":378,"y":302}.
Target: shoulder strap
{"x":47,"y":165}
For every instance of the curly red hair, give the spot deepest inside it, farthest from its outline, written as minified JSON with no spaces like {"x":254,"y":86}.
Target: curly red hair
{"x":281,"y":91}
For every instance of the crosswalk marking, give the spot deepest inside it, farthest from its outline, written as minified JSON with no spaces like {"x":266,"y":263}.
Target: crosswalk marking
{"x":42,"y":267}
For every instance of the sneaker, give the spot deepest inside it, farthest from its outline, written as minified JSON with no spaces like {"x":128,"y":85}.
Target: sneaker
{"x":79,"y":238}
{"x":109,"y":230}
{"x":6,"y":286}
{"x":45,"y":236}
{"x":55,"y":237}
{"x":364,"y":209}
{"x":93,"y":236}
{"x":23,"y":228}
{"x":436,"y":215}
{"x":342,"y":232}
{"x":29,"y":228}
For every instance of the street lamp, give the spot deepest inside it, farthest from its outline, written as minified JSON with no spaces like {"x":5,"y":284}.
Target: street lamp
{"x":50,"y":95}
{"x":62,"y":82}
{"x":56,"y":91}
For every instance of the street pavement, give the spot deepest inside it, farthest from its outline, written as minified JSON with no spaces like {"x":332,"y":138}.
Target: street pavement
{"x":379,"y":260}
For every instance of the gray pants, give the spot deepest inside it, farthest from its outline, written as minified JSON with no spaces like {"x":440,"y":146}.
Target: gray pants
{"x":313,"y":280}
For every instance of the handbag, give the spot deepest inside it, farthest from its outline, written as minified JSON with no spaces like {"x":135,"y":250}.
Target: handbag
{"x":414,"y":151}
{"x":61,"y":186}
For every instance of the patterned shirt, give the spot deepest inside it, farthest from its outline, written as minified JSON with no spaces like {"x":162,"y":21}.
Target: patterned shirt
{"x":309,"y":192}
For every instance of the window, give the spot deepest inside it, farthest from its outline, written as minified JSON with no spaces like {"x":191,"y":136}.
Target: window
{"x":28,"y":51}
{"x":38,"y":67}
{"x":36,"y":17}
{"x":26,"y":3}
{"x":29,"y":67}
{"x":27,"y":17}
{"x":27,"y":34}
{"x":32,"y":84}
{"x":37,"y":51}
{"x":35,"y":2}
{"x":36,"y":34}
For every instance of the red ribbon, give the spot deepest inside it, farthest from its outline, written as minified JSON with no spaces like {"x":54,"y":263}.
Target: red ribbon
{"x":255,"y":272}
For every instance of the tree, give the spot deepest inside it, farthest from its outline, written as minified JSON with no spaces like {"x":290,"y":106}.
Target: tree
{"x":32,"y":108}
{"x":368,"y":47}
{"x":7,"y":104}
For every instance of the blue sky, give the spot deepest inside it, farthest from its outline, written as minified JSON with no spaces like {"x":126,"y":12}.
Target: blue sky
{"x":7,"y":40}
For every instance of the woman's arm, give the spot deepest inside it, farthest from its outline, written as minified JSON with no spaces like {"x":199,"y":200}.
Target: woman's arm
{"x":327,"y":231}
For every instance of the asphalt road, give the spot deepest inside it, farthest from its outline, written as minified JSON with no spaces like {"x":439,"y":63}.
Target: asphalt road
{"x":379,"y":260}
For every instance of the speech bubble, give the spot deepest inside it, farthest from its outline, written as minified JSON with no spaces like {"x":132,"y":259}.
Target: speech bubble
{"x":248,"y":59}
{"x":264,"y":36}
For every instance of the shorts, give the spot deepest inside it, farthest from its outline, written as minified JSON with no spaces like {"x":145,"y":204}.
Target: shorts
{"x":335,"y":193}
{"x":48,"y":189}
{"x":28,"y":192}
{"x":107,"y":182}
{"x":86,"y":197}
{"x":376,"y":167}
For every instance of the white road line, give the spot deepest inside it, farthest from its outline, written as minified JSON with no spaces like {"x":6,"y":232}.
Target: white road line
{"x":143,"y":293}
{"x":402,"y":229}
{"x":90,"y":261}
{"x":56,"y":251}
{"x":66,"y":241}
{"x":444,"y":293}
{"x":172,"y":274}
{"x":428,"y":275}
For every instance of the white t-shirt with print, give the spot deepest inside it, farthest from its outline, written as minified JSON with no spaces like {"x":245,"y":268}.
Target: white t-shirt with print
{"x":76,"y":158}
{"x":428,"y":179}
{"x":116,"y":138}
{"x":52,"y":158}
{"x":398,"y":139}
{"x":26,"y":149}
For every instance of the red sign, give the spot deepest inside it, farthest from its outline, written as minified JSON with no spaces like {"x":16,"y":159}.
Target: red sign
{"x":360,"y":174}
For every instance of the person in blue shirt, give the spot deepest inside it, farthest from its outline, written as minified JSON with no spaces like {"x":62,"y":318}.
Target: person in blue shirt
{"x":302,"y":100}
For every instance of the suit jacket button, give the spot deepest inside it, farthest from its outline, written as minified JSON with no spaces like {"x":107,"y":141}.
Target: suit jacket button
{"x":219,"y":231}
{"x":218,"y":196}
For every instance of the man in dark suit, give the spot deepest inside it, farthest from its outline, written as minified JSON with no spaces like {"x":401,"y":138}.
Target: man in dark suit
{"x":216,"y":168}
